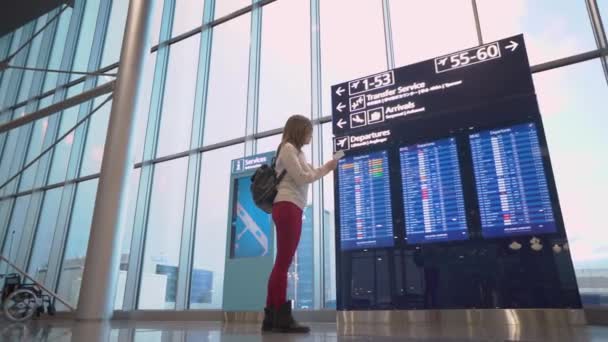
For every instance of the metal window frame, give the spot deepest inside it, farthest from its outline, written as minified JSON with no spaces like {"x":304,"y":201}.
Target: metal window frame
{"x":33,"y":211}
{"x":32,"y":54}
{"x":253,"y":80}
{"x":85,"y":73}
{"x":63,"y":225}
{"x":598,"y":31}
{"x":6,"y":212}
{"x":44,"y":165}
{"x":49,"y":22}
{"x":57,"y":107}
{"x":546,"y":66}
{"x":163,"y":42}
{"x":50,"y":187}
{"x":388,"y":34}
{"x":17,"y":37}
{"x":34,"y":205}
{"x":316,"y":75}
{"x":551,"y":65}
{"x":16,"y":77}
{"x":5,"y":47}
{"x":189,"y":222}
{"x":555,"y":64}
{"x":216,"y":22}
{"x":477,"y":22}
{"x":57,"y":89}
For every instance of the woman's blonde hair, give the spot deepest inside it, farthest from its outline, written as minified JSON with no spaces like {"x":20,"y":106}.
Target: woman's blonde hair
{"x":296,"y":130}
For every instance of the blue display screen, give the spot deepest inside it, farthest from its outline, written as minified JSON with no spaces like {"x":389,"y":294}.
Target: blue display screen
{"x":511,"y":183}
{"x":432,"y":192}
{"x":250,"y":225}
{"x":365,"y":201}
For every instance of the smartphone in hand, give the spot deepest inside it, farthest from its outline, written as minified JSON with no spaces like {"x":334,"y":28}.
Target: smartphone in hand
{"x":338,"y":155}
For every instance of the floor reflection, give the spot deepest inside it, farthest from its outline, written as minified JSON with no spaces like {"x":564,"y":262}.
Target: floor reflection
{"x":119,"y":331}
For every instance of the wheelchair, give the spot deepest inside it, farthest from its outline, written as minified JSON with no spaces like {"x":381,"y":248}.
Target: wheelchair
{"x":21,"y":300}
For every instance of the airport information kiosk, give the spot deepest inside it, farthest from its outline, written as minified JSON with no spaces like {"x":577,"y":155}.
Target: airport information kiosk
{"x":250,"y":240}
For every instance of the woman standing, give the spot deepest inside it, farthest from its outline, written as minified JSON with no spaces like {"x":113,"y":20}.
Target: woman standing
{"x":287,"y":216}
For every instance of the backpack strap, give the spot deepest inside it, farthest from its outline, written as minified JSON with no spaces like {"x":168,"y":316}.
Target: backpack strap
{"x":274,"y":159}
{"x":274,"y":164}
{"x":281,"y":176}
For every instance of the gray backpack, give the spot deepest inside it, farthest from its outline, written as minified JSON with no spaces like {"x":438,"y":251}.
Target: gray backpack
{"x":264,"y":183}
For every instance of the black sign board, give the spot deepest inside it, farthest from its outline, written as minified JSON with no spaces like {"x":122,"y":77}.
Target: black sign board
{"x":467,"y":78}
{"x":445,"y":196}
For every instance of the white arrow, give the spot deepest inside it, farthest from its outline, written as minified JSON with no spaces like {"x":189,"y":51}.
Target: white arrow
{"x":340,"y":107}
{"x":341,"y":123}
{"x":442,"y":61}
{"x":512,"y":46}
{"x":340,"y":91}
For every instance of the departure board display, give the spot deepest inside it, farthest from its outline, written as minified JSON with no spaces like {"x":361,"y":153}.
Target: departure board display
{"x":365,"y":201}
{"x":444,"y":178}
{"x":511,"y":183}
{"x":432,"y":192}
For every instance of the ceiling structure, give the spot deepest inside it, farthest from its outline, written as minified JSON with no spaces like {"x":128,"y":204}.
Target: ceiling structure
{"x":16,"y":13}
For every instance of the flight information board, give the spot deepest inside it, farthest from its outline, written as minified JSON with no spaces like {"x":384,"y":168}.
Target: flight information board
{"x":365,"y":201}
{"x":511,"y":183}
{"x":445,"y":169}
{"x":432,"y":192}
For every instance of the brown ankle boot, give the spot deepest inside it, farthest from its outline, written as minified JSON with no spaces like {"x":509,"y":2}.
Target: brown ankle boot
{"x":268,"y":322}
{"x":284,"y":322}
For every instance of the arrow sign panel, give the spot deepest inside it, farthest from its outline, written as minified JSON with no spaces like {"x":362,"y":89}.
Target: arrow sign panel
{"x":481,"y":74}
{"x":512,"y":46}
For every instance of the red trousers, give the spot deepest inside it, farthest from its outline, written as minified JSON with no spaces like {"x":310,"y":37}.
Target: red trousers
{"x":287,"y":218}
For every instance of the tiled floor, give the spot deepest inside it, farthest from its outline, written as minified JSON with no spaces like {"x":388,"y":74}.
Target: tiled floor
{"x":58,"y":331}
